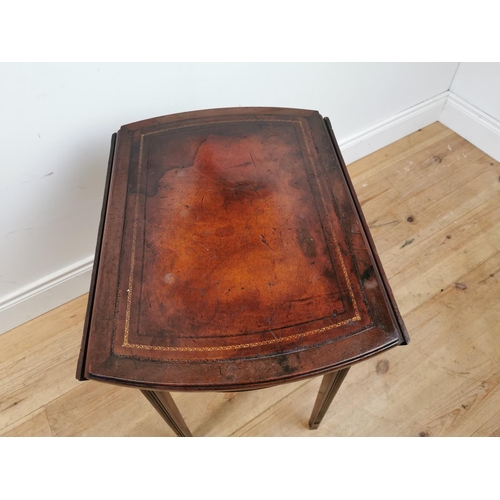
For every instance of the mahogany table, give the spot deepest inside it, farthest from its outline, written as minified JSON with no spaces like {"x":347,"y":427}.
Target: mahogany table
{"x":232,"y":255}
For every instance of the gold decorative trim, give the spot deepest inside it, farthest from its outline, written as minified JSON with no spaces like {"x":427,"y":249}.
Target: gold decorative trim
{"x":243,"y":346}
{"x":126,"y":343}
{"x":337,"y":248}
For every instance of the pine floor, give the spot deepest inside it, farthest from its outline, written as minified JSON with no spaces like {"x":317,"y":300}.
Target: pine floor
{"x":432,"y":201}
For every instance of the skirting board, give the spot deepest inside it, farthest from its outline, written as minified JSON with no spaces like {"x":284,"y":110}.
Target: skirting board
{"x":472,"y":124}
{"x":45,"y":294}
{"x":60,"y":287}
{"x":392,"y":129}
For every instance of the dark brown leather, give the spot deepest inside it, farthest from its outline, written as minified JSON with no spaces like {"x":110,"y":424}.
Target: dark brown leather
{"x":233,"y":256}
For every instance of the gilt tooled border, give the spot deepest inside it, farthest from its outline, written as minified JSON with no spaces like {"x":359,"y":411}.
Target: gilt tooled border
{"x":126,"y":343}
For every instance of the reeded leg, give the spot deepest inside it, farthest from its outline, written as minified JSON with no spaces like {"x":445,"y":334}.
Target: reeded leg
{"x":329,"y":386}
{"x":165,"y":406}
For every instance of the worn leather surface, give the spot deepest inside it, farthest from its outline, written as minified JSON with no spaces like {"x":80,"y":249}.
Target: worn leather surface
{"x":232,"y":256}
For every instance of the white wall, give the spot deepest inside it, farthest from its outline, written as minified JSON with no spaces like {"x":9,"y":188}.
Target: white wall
{"x":479,"y":85}
{"x":472,"y":109}
{"x":57,"y":120}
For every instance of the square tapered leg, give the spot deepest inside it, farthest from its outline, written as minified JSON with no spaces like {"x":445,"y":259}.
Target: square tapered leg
{"x":329,"y":386}
{"x":166,"y":407}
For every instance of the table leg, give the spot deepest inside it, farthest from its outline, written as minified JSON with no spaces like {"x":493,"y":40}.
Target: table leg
{"x":329,"y":386}
{"x":166,"y":407}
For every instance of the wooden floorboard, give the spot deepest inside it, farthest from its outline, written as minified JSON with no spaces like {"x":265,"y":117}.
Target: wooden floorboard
{"x":432,"y":201}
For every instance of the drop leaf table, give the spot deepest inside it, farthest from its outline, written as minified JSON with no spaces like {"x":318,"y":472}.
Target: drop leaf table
{"x":232,"y":255}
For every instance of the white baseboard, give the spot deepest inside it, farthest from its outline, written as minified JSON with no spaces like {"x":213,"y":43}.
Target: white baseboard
{"x":45,"y":294}
{"x":71,"y":282}
{"x":392,"y":129}
{"x":472,"y":124}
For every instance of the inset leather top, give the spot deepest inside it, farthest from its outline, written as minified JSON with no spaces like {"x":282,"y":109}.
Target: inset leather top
{"x":232,"y":255}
